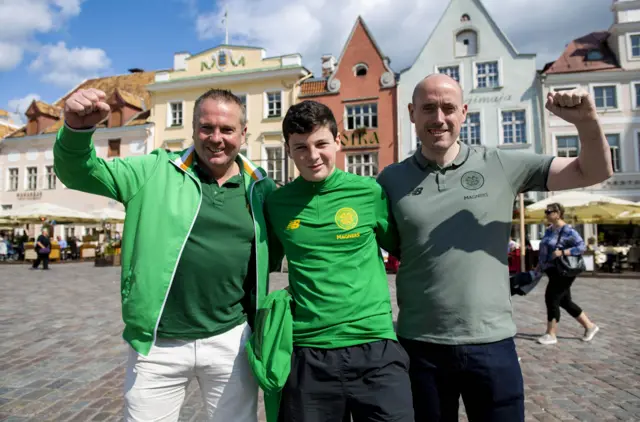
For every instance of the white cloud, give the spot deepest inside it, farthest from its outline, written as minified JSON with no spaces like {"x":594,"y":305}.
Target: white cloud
{"x":21,"y":20}
{"x":400,"y":27}
{"x":66,"y":67}
{"x":10,"y":56}
{"x":18,"y":106}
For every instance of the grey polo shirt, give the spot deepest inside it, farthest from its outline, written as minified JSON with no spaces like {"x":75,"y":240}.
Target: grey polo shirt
{"x":454,"y":225}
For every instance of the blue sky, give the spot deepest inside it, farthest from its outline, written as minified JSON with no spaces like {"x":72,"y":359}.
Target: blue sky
{"x":48,"y":46}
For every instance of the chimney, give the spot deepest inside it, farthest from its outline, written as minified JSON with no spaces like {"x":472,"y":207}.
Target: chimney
{"x":180,"y":61}
{"x":328,"y":65}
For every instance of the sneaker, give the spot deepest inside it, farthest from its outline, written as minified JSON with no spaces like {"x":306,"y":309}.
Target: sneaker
{"x":547,"y":339}
{"x":590,"y":332}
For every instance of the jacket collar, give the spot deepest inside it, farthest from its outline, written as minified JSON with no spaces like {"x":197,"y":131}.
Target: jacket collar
{"x":186,"y":161}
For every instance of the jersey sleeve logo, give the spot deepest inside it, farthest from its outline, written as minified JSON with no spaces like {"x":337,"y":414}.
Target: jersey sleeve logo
{"x":293,"y":224}
{"x":346,"y":218}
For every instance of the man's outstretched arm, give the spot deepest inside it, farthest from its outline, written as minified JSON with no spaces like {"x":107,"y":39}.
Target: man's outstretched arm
{"x":593,"y":164}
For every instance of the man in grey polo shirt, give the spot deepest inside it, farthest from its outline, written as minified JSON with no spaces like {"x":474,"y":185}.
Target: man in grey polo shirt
{"x":453,"y":207}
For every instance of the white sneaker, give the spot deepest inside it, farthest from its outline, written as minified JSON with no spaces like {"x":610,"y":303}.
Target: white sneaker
{"x":547,"y":339}
{"x":589,"y":333}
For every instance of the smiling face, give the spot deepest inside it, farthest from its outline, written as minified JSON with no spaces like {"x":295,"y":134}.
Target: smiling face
{"x":438,"y":112}
{"x":314,"y":154}
{"x":218,"y":133}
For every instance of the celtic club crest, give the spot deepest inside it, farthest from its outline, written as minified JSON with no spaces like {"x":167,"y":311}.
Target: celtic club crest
{"x":472,"y":180}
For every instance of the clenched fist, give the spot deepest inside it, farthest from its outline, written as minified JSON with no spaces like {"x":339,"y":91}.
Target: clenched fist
{"x":575,"y":106}
{"x":85,"y":108}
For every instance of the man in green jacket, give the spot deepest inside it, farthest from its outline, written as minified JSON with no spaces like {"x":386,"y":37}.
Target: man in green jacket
{"x":195,"y":259}
{"x":346,"y":359}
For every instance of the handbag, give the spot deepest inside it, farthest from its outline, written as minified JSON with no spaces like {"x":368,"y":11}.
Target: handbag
{"x":44,"y":251}
{"x":568,"y":266}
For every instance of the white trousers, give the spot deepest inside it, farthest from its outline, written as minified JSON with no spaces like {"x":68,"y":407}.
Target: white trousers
{"x":155,"y":385}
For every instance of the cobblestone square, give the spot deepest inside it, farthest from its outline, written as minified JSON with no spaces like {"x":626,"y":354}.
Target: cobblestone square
{"x":62,"y":356}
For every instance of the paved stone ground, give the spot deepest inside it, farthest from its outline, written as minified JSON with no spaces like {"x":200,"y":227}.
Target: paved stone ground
{"x":62,"y":357}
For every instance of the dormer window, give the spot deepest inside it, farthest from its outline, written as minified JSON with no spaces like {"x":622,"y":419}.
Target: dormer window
{"x":466,"y":43}
{"x":594,"y":55}
{"x":465,"y":18}
{"x":360,"y":69}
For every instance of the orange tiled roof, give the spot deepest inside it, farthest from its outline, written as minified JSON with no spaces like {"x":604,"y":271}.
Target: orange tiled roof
{"x":5,"y":130}
{"x":141,"y":118}
{"x":134,"y":84}
{"x":312,"y":87}
{"x":131,"y":99}
{"x":574,"y":57}
{"x":3,"y":113}
{"x":48,"y":109}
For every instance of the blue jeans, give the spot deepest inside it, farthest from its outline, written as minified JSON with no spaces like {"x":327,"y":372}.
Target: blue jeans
{"x":487,"y":376}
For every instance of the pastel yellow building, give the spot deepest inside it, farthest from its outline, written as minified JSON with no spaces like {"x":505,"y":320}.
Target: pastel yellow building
{"x":266,"y":85}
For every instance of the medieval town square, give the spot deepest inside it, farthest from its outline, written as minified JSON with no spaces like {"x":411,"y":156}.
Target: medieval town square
{"x":319,"y":211}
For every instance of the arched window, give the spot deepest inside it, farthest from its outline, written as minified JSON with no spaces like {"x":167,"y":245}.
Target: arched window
{"x":466,"y":43}
{"x":360,"y":69}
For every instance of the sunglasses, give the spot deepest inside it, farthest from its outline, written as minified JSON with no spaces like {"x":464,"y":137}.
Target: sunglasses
{"x":550,"y":211}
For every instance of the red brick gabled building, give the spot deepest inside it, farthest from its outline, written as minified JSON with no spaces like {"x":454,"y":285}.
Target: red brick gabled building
{"x":360,"y":89}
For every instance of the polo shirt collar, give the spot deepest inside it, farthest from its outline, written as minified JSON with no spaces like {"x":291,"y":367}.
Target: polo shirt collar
{"x":460,"y":159}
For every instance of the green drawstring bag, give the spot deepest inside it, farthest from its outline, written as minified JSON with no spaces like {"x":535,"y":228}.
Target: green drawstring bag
{"x":270,"y":348}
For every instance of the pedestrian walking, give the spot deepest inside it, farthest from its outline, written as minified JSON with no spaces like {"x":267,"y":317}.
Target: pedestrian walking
{"x":43,"y":250}
{"x":559,"y":240}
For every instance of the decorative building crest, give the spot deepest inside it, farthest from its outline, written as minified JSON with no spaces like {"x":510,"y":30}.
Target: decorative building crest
{"x":388,"y":79}
{"x":221,"y":60}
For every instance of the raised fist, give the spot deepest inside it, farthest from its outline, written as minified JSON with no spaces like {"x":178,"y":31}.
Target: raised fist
{"x":85,"y":108}
{"x":575,"y":106}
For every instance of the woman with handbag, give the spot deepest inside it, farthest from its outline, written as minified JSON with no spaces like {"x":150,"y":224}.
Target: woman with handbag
{"x":43,"y":249}
{"x":561,"y":259}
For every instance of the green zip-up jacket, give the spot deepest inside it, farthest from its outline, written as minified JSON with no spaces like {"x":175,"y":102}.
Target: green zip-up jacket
{"x":331,"y":232}
{"x":162,"y":197}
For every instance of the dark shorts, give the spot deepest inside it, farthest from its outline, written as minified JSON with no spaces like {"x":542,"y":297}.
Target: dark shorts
{"x":487,"y":376}
{"x":368,"y":382}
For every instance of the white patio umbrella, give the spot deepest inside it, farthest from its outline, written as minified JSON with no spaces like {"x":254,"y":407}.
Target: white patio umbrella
{"x":110,"y":215}
{"x":34,"y":213}
{"x":583,"y":206}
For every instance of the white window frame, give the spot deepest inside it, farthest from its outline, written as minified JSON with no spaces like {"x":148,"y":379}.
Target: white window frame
{"x":26,"y":179}
{"x":170,"y":114}
{"x":636,"y":148}
{"x":632,"y":93}
{"x":620,"y":141}
{"x":555,"y":141}
{"x":529,"y":131}
{"x":630,"y":46}
{"x":618,"y":96}
{"x":265,"y":96}
{"x":353,"y":154}
{"x":482,"y":126}
{"x":500,"y":73}
{"x":461,"y":70}
{"x":265,"y":154}
{"x":246,"y":101}
{"x":45,"y":179}
{"x":8,"y":184}
{"x":377,"y":114}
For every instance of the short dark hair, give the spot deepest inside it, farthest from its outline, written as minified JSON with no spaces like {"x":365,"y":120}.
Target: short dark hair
{"x":222,"y":95}
{"x":306,"y":116}
{"x":556,"y":207}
